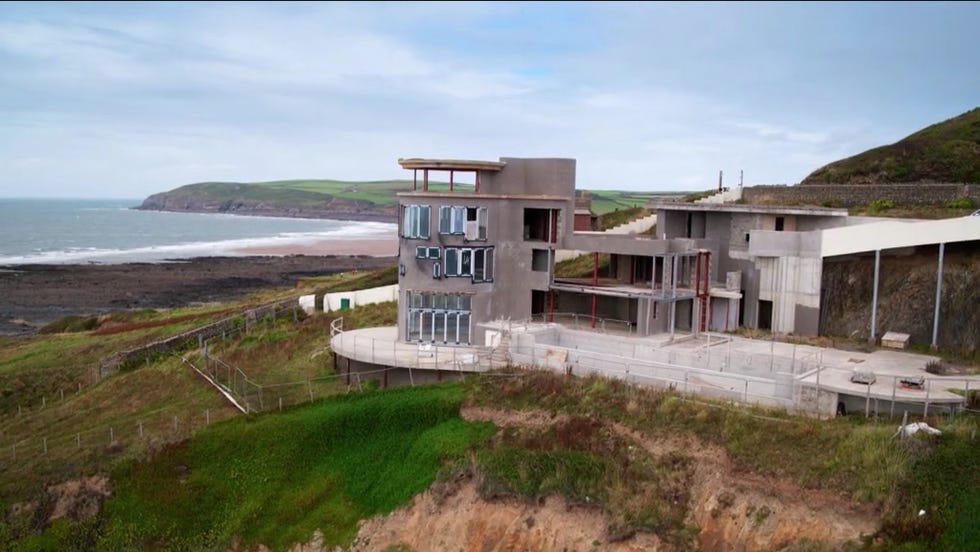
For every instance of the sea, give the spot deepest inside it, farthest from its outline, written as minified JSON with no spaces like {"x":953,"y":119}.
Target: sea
{"x":111,"y":231}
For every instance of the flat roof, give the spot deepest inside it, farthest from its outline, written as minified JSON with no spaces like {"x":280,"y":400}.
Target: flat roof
{"x":743,"y":208}
{"x":451,"y":164}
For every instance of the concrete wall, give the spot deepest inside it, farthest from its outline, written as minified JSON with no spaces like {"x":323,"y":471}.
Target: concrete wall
{"x":547,"y":184}
{"x":333,"y":301}
{"x":844,"y":195}
{"x":895,"y":234}
{"x":790,"y":283}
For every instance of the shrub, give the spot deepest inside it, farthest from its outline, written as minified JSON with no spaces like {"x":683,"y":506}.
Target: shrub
{"x":879,"y":205}
{"x":961,"y":203}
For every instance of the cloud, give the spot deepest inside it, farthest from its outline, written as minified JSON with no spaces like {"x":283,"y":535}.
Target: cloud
{"x":138,"y":98}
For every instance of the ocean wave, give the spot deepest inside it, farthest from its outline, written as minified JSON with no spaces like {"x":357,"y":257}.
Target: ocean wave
{"x":230,"y":248}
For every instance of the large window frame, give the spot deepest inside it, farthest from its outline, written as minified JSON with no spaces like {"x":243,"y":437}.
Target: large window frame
{"x":415,"y":222}
{"x":475,"y":263}
{"x":439,"y":318}
{"x":460,"y":220}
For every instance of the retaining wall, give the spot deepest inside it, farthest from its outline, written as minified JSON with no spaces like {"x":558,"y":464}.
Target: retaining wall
{"x":844,"y":195}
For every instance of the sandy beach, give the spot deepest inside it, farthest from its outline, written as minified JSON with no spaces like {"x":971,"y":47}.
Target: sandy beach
{"x":384,"y":246}
{"x":34,"y":295}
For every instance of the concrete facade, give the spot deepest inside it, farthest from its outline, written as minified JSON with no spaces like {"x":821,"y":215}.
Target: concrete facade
{"x":526,"y":209}
{"x":774,"y":249}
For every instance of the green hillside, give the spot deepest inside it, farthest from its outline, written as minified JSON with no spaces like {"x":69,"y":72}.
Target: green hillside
{"x":944,"y":152}
{"x":337,"y":198}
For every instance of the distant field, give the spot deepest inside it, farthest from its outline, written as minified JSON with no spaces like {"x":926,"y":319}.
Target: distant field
{"x":380,"y":193}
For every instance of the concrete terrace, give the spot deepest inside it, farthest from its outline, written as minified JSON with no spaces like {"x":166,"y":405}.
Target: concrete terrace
{"x":795,"y":377}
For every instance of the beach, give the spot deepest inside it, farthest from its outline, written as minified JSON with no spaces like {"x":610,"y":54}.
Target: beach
{"x":36,"y":294}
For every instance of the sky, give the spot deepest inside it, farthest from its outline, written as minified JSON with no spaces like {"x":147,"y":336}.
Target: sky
{"x":125,"y":100}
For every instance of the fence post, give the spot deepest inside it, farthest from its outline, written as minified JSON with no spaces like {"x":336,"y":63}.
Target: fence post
{"x":925,"y":410}
{"x":112,"y":436}
{"x":891,"y":411}
{"x":141,"y":429}
{"x":867,"y":402}
{"x":207,"y":416}
{"x":78,"y":440}
{"x":175,"y":424}
{"x":45,"y":441}
{"x":309,"y":384}
{"x":280,"y":404}
{"x":62,"y":391}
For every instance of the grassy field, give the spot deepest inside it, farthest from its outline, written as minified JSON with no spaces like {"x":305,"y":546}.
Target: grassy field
{"x":189,"y":473}
{"x":274,"y":479}
{"x":381,"y":194}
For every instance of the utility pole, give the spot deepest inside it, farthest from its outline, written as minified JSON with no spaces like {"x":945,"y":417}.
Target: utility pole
{"x":740,"y":175}
{"x":719,"y":180}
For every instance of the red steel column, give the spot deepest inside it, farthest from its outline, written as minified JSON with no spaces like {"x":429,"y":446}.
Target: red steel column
{"x":415,"y":180}
{"x":595,"y":282}
{"x":450,"y":180}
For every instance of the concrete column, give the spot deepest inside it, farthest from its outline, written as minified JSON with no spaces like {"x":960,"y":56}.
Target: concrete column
{"x":939,"y":291}
{"x":874,"y":299}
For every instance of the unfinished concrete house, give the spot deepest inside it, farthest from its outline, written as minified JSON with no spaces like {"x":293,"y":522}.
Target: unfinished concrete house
{"x":478,"y":289}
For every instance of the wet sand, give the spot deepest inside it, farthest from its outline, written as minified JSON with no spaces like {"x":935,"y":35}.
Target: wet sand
{"x":34,"y":295}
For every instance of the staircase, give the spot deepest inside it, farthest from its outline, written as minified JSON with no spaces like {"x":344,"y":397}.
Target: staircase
{"x":500,"y":356}
{"x":727,"y":196}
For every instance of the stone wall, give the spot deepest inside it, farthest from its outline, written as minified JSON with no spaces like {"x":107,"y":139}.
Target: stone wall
{"x":843,"y":195}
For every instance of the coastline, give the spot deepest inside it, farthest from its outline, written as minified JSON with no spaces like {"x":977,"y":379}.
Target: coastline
{"x":249,"y":211}
{"x":32,"y":295}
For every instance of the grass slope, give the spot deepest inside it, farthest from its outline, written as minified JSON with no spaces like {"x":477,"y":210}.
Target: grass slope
{"x":944,"y":152}
{"x":274,"y":479}
{"x":381,"y":194}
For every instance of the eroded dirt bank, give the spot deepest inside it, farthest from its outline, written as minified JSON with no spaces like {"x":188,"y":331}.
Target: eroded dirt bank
{"x":731,"y":511}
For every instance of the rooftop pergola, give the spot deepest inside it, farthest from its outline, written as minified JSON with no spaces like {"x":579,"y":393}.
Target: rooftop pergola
{"x":451,"y":165}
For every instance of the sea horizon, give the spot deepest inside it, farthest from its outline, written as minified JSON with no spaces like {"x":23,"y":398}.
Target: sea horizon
{"x":114,"y":231}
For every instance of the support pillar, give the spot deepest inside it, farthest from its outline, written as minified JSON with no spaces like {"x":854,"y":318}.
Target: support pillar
{"x":595,"y":283}
{"x":415,"y":180}
{"x":425,"y":180}
{"x":450,"y":180}
{"x":939,"y":293}
{"x":874,"y":299}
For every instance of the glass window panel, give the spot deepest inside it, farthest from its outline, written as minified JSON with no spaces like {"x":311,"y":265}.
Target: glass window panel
{"x":465,"y":262}
{"x":459,"y":219}
{"x":481,"y":221}
{"x":488,"y":266}
{"x":421,"y":252}
{"x":464,"y":329}
{"x":433,"y":252}
{"x":452,"y":262}
{"x":424,"y":221}
{"x":439,"y":326}
{"x":445,"y":215}
{"x":478,"y":257}
{"x":426,"y":329}
{"x":464,"y":302}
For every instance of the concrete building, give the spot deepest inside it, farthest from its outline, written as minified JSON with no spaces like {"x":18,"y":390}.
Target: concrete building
{"x":475,"y":262}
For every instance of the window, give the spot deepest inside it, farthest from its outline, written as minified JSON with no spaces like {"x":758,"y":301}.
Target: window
{"x":475,"y":262}
{"x":438,"y":317}
{"x":780,"y":223}
{"x":451,"y":219}
{"x":415,"y":222}
{"x":465,"y":221}
{"x":422,"y":252}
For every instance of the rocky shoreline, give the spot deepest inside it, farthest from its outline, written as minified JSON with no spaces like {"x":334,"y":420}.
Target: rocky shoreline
{"x":34,"y":295}
{"x":265,"y":211}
